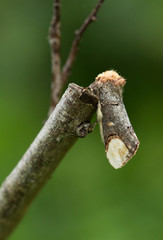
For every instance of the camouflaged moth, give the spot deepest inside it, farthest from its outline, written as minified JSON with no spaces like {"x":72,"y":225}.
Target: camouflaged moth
{"x":120,"y":140}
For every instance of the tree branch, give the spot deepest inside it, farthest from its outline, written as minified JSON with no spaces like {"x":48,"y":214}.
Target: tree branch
{"x":54,"y":41}
{"x":59,"y":78}
{"x":70,"y":120}
{"x":74,"y":48}
{"x":54,"y":140}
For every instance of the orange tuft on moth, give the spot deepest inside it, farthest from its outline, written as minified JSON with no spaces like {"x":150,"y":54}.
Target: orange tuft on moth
{"x":111,"y":76}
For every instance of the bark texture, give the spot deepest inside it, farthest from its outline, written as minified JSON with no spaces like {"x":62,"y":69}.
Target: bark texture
{"x":113,"y":119}
{"x":54,"y":140}
{"x":70,"y":120}
{"x":55,"y":42}
{"x":60,"y":76}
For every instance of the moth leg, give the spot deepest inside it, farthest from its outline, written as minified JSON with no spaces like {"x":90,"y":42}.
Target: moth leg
{"x":85,"y":128}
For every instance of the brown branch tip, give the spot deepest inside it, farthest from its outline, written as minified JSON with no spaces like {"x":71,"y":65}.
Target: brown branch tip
{"x":54,"y":41}
{"x":78,"y":35}
{"x":59,"y":78}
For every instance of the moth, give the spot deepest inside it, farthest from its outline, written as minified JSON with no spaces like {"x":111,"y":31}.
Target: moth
{"x":120,"y":140}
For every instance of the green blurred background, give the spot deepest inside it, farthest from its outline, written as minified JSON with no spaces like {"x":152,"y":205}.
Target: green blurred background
{"x":86,"y":199}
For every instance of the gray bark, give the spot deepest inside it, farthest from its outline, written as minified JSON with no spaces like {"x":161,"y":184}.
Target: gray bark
{"x":120,"y":140}
{"x":70,"y":120}
{"x":115,"y":121}
{"x":54,"y":140}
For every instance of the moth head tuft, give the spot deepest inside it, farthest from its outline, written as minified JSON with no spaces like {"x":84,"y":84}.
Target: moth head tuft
{"x":111,"y":76}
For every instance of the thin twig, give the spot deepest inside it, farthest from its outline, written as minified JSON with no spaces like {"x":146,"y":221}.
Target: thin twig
{"x":58,"y":78}
{"x":78,"y":35}
{"x":54,"y":41}
{"x":36,"y":166}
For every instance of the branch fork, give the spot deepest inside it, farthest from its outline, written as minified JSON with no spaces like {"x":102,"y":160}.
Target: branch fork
{"x":60,"y":76}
